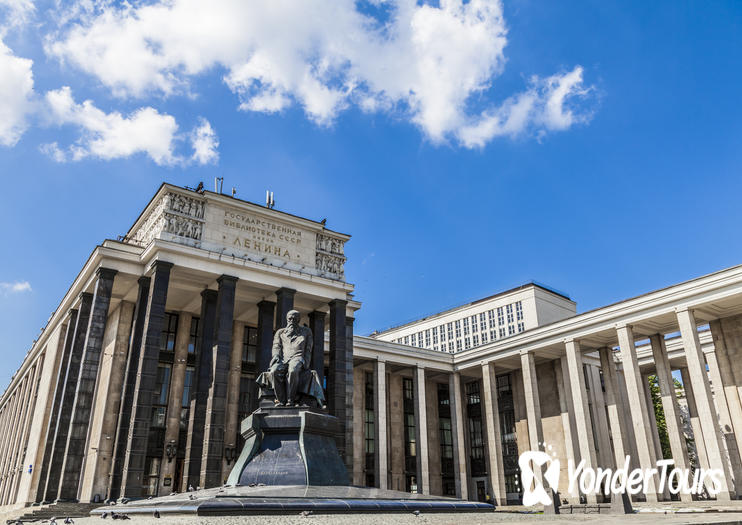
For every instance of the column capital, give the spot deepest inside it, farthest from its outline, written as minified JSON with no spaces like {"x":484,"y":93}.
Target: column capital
{"x":86,"y":296}
{"x":208,"y":293}
{"x":226,"y":279}
{"x":285,"y":290}
{"x":338,"y":302}
{"x":106,"y":273}
{"x":684,"y":308}
{"x":158,"y":265}
{"x":265,"y":303}
{"x":144,"y":280}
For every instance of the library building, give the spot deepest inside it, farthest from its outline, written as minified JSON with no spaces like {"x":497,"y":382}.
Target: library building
{"x":139,"y":381}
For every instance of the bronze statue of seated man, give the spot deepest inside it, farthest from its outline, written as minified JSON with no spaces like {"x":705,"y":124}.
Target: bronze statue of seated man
{"x":289,"y":374}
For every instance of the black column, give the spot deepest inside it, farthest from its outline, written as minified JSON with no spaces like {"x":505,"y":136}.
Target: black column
{"x":348,"y":426}
{"x":337,"y":377}
{"x":284,"y":304}
{"x":317,"y":326}
{"x":144,"y":389}
{"x":216,"y":406}
{"x":200,"y":394}
{"x":127,"y":396}
{"x":54,"y":414}
{"x":68,"y":397}
{"x":86,"y":380}
{"x":266,"y":311}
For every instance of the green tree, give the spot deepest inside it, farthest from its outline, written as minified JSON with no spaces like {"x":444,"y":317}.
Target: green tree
{"x":659,"y":415}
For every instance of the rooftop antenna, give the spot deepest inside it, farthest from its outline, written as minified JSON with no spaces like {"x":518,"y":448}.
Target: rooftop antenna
{"x":218,"y":184}
{"x":269,"y":201}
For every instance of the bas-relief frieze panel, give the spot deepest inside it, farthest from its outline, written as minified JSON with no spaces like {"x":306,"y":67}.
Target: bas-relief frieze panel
{"x":207,"y":225}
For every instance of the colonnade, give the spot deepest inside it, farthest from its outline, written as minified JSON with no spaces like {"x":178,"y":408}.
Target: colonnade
{"x":116,"y":426}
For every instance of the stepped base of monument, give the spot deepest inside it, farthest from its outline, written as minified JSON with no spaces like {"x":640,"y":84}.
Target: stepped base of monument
{"x":292,"y":499}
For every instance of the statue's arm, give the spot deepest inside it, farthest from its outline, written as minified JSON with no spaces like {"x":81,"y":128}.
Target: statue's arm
{"x":309,"y":350}
{"x":277,"y":350}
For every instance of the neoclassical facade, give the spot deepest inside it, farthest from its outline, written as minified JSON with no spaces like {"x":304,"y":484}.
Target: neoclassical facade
{"x":139,"y":381}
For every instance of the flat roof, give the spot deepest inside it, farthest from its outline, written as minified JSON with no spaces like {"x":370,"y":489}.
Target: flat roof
{"x":530,"y":284}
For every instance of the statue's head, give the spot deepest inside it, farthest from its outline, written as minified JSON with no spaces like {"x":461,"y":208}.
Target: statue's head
{"x":292,"y":317}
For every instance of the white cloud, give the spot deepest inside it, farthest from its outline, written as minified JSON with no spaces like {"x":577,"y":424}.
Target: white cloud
{"x":205,"y":143}
{"x":16,"y":287}
{"x":427,"y":63}
{"x":111,"y":135}
{"x":16,"y":91}
{"x":14,"y":13}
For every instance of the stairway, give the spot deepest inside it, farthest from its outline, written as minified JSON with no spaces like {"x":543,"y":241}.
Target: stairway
{"x":59,"y":511}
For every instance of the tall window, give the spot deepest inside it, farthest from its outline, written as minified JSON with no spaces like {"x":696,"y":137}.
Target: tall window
{"x":369,"y":429}
{"x":482,"y":322}
{"x":152,"y":473}
{"x":413,"y":339}
{"x":427,"y":337}
{"x":519,"y":310}
{"x":467,"y":342}
{"x":491,"y":318}
{"x":449,"y":327}
{"x":186,"y":399}
{"x":409,"y":435}
{"x":475,"y":339}
{"x":509,"y":309}
{"x":508,"y":437}
{"x":474,"y":326}
{"x":500,"y":316}
{"x":435,"y":335}
{"x":474,"y":416}
{"x":162,"y":386}
{"x":458,"y":345}
{"x":193,"y":335}
{"x":457,"y":324}
{"x":250,"y":345}
{"x":442,"y":331}
{"x":466,"y":326}
{"x":167,"y":337}
{"x":484,"y":336}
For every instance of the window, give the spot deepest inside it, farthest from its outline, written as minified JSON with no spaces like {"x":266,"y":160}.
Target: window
{"x":450,"y":346}
{"x":458,"y":345}
{"x":467,"y":342}
{"x":427,"y":338}
{"x":185,"y":402}
{"x":369,"y":430}
{"x":435,"y":335}
{"x":169,"y":328}
{"x":162,"y":386}
{"x":406,"y":340}
{"x":444,"y":426}
{"x":491,"y":318}
{"x":413,"y":339}
{"x":500,"y":316}
{"x":193,"y":335}
{"x":502,"y":332}
{"x":511,"y":329}
{"x":519,"y":311}
{"x":442,"y":331}
{"x":152,"y":472}
{"x":493,"y":334}
{"x":509,"y":309}
{"x":250,"y":345}
{"x":475,"y":340}
{"x":484,"y":336}
{"x":450,"y":330}
{"x":457,"y":324}
{"x":482,"y":322}
{"x":474,"y":327}
{"x":466,"y":326}
{"x":521,"y":327}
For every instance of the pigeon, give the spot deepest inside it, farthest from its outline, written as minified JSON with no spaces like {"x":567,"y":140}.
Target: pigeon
{"x":190,"y":488}
{"x":125,"y":517}
{"x":69,"y":521}
{"x":306,"y":513}
{"x":124,"y":500}
{"x":156,"y":514}
{"x":104,"y":515}
{"x":416,"y":513}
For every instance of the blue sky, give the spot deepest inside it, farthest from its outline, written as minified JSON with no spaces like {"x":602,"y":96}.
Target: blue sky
{"x":399,"y":123}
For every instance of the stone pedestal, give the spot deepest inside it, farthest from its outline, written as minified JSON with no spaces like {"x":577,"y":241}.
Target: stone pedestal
{"x":289,"y":446}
